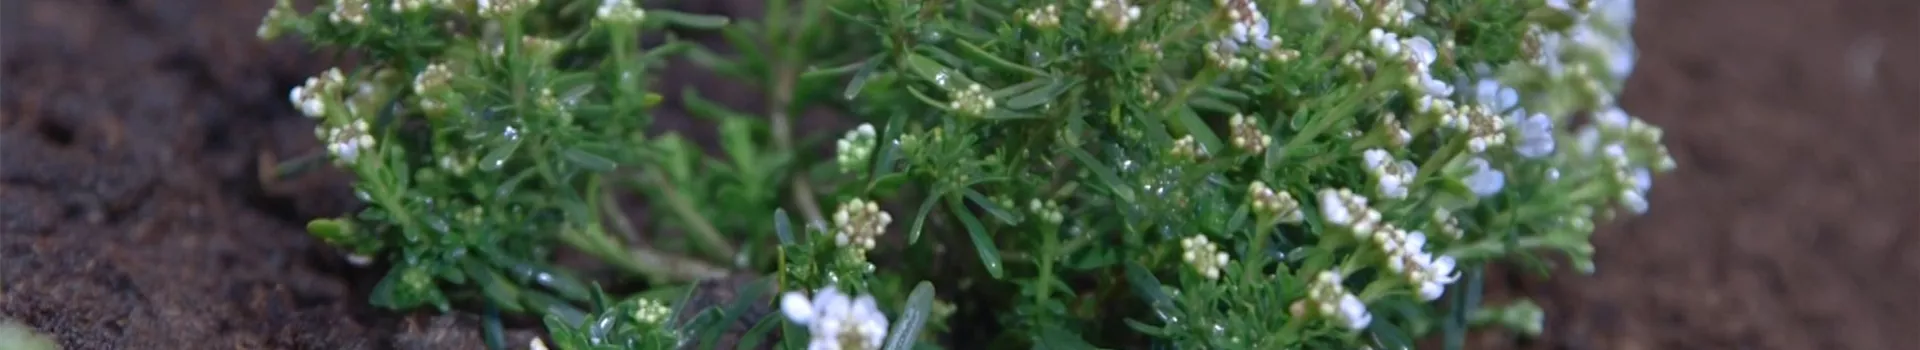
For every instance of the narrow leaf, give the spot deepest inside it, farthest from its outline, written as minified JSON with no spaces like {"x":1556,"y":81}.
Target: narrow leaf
{"x":989,"y":255}
{"x":1105,"y":174}
{"x":907,"y":330}
{"x":919,"y":220}
{"x":1006,"y":216}
{"x":683,"y":19}
{"x":860,"y":78}
{"x":783,"y":227}
{"x":1039,"y":96}
{"x":586,"y":160}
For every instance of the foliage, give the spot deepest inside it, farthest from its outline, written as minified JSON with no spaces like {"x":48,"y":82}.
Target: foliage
{"x":1103,"y":173}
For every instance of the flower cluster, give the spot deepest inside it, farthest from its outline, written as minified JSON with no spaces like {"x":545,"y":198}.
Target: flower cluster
{"x":1278,"y":205}
{"x":1407,"y":256}
{"x":857,"y":225}
{"x":1205,"y":257}
{"x":837,"y":321}
{"x":1043,"y":17}
{"x":854,"y":150}
{"x":1390,"y":175}
{"x":1330,"y":299}
{"x":1247,"y":135}
{"x":1343,"y":208}
{"x":619,"y":11}
{"x":973,"y":101}
{"x":1117,"y":15}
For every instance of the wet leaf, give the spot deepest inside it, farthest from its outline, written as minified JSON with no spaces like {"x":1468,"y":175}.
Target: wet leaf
{"x":920,"y":219}
{"x":982,"y":243}
{"x":1039,"y":96}
{"x":919,"y":308}
{"x":688,"y":20}
{"x":783,"y":227}
{"x":860,"y":78}
{"x":1008,"y":217}
{"x":586,"y":160}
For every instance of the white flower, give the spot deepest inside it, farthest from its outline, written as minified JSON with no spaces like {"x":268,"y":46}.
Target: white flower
{"x":1642,"y":179}
{"x":1391,"y":175}
{"x":854,"y":149}
{"x":1536,"y":135}
{"x":319,"y":93}
{"x":858,"y":224}
{"x":1043,"y":17}
{"x":536,"y":344}
{"x":620,"y":11}
{"x":499,"y":8}
{"x":347,"y":142}
{"x":1484,"y":129}
{"x":1421,"y":55}
{"x":1333,"y":207}
{"x":1494,"y":94}
{"x":1116,"y":14}
{"x":1354,"y":312}
{"x":1484,"y":180}
{"x":349,"y":12}
{"x":1634,"y":201}
{"x":404,"y":6}
{"x":1343,"y":208}
{"x":1247,"y":135}
{"x":1280,"y":205}
{"x":1332,"y":301}
{"x":835,"y":321}
{"x":972,"y":101}
{"x":1205,"y":257}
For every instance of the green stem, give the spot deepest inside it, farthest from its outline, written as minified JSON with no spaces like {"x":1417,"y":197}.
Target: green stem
{"x":1325,"y":120}
{"x":703,"y":231}
{"x":1440,"y":158}
{"x":1258,"y":257}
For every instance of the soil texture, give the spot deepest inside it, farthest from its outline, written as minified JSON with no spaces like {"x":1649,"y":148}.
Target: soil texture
{"x":131,"y":215}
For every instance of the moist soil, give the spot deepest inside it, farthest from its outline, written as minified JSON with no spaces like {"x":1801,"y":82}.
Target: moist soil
{"x":132,"y":215}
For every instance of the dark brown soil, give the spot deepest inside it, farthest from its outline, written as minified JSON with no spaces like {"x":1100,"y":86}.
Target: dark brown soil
{"x":131,"y":216}
{"x":1792,"y":222}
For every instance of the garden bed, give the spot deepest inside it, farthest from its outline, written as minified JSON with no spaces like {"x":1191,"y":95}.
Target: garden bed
{"x":132,"y":215}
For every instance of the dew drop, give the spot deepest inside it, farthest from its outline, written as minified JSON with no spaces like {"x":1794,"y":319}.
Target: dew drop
{"x":511,"y":133}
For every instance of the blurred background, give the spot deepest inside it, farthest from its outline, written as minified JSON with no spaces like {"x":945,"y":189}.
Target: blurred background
{"x":132,"y":217}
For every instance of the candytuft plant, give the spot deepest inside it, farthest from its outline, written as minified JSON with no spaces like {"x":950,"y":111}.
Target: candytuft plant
{"x":1234,"y":174}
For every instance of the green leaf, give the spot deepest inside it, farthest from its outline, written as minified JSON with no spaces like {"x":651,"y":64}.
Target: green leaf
{"x":589,"y":161}
{"x":331,"y":230}
{"x":1039,"y":96}
{"x":989,"y":255}
{"x":1199,"y":129}
{"x":889,"y":149}
{"x":498,"y":156}
{"x":783,"y":227}
{"x":1212,"y":105}
{"x":693,"y":21}
{"x":550,"y":278}
{"x":1386,"y":335}
{"x":933,"y":71}
{"x":1017,"y":89}
{"x":907,"y":329}
{"x":494,"y":287}
{"x":1006,"y":216}
{"x":919,"y":220}
{"x":758,"y":334}
{"x":1101,"y":171}
{"x":860,"y":77}
{"x":1225,"y":93}
{"x":885,"y":186}
{"x":980,"y":54}
{"x":1054,"y":337}
{"x":1149,"y":290}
